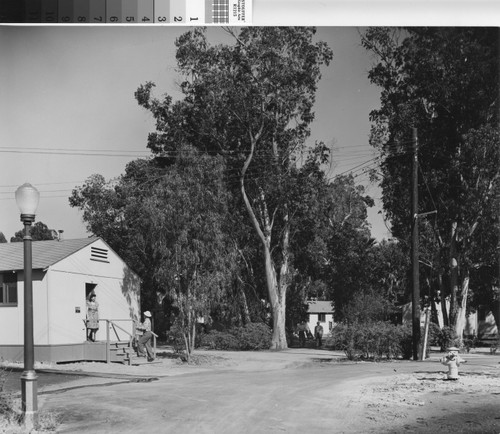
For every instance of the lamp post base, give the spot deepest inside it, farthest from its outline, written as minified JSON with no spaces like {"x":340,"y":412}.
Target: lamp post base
{"x":29,"y":393}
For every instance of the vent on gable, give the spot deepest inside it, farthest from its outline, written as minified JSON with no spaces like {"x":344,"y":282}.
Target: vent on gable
{"x":97,"y":254}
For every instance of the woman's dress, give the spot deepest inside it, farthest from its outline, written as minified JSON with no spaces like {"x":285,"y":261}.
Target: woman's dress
{"x":92,"y":315}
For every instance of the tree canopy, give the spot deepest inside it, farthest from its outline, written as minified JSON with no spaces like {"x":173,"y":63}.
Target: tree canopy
{"x":444,"y":82}
{"x":39,"y":232}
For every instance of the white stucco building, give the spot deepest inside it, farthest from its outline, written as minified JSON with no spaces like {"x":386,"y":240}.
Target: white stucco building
{"x":322,"y":312}
{"x":64,"y":273}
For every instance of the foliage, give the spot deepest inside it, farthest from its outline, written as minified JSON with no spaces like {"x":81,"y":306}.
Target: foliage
{"x":175,"y":338}
{"x":251,"y":337}
{"x":375,"y":339}
{"x":444,"y":82}
{"x":434,"y":334}
{"x":470,"y":342}
{"x":367,"y":306}
{"x":447,"y":338}
{"x":219,"y":340}
{"x":6,"y":399}
{"x":250,"y":102}
{"x":39,"y":232}
{"x":11,"y":418}
{"x":192,"y":252}
{"x":2,"y":238}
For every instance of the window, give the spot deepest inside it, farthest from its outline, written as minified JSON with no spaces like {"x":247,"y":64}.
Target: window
{"x":321,"y":317}
{"x":8,"y":289}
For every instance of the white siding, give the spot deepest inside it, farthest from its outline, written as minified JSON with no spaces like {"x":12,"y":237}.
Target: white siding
{"x":12,"y":318}
{"x":61,"y":289}
{"x":313,"y":319}
{"x":117,"y":291}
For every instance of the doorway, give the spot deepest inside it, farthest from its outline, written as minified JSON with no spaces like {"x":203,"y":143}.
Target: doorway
{"x":89,"y":289}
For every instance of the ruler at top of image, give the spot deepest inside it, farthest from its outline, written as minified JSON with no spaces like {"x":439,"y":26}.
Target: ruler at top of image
{"x":184,"y":12}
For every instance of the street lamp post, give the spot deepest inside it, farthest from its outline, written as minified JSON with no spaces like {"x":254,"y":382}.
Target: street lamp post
{"x":27,"y":198}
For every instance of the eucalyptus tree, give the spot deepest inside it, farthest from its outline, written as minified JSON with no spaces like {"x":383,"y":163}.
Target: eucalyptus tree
{"x":169,"y":223}
{"x":445,"y":83}
{"x":251,"y":101}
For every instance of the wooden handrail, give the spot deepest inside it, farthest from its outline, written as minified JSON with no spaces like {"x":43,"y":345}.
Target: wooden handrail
{"x":112,"y":323}
{"x":121,"y":328}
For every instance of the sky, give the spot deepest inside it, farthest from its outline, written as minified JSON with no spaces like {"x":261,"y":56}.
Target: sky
{"x":67,"y":110}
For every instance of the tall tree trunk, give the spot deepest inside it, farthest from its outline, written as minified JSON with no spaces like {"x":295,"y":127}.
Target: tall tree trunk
{"x":277,"y":297}
{"x":462,"y":309}
{"x":442,"y":296}
{"x":495,"y":310}
{"x":244,"y":304}
{"x":453,"y":263}
{"x":277,"y":293}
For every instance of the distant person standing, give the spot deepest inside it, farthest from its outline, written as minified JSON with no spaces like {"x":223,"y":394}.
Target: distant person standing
{"x":92,"y":317}
{"x":318,"y":334}
{"x":303,"y":330}
{"x":145,"y":339}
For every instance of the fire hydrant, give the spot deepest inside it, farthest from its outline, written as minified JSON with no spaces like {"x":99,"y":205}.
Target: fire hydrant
{"x":453,"y":361}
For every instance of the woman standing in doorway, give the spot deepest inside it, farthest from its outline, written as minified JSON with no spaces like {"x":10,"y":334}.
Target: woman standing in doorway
{"x":92,"y":317}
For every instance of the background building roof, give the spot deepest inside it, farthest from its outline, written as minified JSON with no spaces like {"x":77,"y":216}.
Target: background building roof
{"x":320,"y":306}
{"x":45,"y":253}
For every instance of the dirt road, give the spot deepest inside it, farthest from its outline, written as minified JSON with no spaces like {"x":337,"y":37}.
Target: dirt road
{"x":305,"y":396}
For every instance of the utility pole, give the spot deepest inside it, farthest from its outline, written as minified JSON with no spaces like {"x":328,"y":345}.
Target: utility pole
{"x":415,"y":305}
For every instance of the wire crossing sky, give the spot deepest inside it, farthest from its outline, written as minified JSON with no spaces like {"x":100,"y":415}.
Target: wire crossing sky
{"x":68,"y":110}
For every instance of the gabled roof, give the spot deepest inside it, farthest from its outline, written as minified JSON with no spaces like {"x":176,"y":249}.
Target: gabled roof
{"x":320,"y":306}
{"x":44,"y":253}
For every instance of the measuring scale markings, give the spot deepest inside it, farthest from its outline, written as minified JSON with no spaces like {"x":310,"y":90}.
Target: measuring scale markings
{"x":145,"y":11}
{"x":97,"y":11}
{"x":65,"y":11}
{"x":184,"y":12}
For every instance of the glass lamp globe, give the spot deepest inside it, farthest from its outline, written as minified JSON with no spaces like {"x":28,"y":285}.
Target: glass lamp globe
{"x":27,"y":198}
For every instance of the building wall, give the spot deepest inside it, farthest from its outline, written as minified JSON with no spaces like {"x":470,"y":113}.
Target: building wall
{"x":12,"y":317}
{"x":313,"y":319}
{"x":59,"y":303}
{"x":117,"y":292}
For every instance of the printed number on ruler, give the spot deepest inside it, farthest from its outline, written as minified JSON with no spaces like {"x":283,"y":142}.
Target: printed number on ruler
{"x":184,"y":12}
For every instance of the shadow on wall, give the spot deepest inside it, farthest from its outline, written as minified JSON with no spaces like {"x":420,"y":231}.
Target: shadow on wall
{"x":131,"y":289}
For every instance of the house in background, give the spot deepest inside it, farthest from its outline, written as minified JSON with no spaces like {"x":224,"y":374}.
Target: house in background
{"x":321,"y":311}
{"x":64,"y":273}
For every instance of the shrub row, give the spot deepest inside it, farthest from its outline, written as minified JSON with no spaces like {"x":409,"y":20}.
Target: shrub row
{"x":375,"y":340}
{"x":253,"y":336}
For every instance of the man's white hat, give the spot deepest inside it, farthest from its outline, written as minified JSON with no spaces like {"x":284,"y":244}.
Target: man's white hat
{"x":147,"y":313}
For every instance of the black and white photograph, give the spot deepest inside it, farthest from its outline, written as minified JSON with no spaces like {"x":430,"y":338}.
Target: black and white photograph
{"x":220,"y":228}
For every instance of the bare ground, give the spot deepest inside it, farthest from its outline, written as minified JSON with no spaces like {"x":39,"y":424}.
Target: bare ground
{"x":366,"y":397}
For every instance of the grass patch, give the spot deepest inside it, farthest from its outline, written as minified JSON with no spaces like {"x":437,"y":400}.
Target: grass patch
{"x":11,"y":417}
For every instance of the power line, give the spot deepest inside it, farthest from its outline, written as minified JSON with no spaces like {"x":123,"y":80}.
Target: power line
{"x":77,"y":153}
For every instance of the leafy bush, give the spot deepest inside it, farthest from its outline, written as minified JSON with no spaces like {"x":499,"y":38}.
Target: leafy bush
{"x":175,"y":338}
{"x":375,"y":340}
{"x":470,"y":342}
{"x":216,"y":340}
{"x":434,"y":334}
{"x":251,"y":337}
{"x":448,"y":338}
